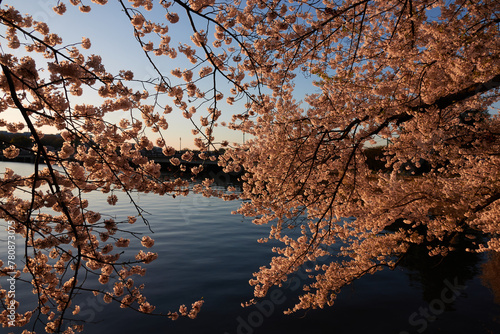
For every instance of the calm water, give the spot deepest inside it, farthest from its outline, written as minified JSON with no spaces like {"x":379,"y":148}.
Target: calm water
{"x":204,"y":251}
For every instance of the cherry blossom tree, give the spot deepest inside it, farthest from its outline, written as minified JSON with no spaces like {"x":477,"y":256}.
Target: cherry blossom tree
{"x":422,"y":75}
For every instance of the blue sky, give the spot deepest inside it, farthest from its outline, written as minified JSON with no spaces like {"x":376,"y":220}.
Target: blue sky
{"x":111,"y":35}
{"x":112,"y":38}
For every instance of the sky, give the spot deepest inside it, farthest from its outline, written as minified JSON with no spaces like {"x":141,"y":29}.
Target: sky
{"x":111,"y":35}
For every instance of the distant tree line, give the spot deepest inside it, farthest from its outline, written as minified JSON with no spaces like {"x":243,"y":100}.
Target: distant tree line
{"x":23,"y":140}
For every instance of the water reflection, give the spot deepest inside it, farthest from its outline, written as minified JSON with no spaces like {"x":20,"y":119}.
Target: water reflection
{"x":429,"y":272}
{"x":490,"y":276}
{"x":221,"y":180}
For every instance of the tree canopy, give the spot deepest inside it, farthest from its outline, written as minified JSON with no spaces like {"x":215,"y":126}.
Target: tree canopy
{"x":420,"y":76}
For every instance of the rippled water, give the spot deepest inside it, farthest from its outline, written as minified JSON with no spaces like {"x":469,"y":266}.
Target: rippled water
{"x":204,"y":251}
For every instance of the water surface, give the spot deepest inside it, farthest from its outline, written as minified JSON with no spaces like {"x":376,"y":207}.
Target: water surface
{"x":206,"y":252}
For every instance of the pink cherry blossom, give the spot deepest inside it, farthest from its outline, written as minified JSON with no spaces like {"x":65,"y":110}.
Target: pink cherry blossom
{"x":383,"y":73}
